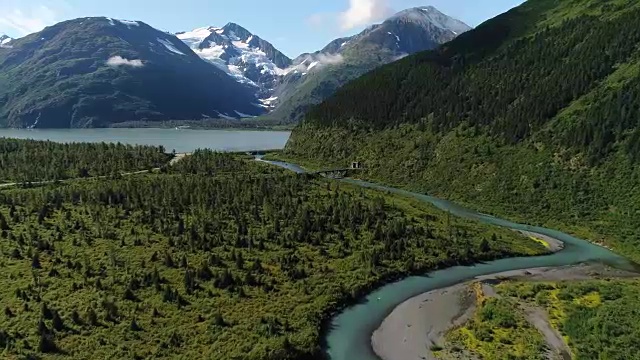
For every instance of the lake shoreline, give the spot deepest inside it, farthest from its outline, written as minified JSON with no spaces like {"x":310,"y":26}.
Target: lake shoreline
{"x":182,"y":141}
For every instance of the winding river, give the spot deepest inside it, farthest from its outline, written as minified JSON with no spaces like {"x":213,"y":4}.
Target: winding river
{"x":349,"y":334}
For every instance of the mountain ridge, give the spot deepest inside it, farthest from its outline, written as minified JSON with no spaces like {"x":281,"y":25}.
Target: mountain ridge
{"x":62,"y":77}
{"x":5,"y":40}
{"x":532,"y":115}
{"x":407,"y":32}
{"x":246,"y":57}
{"x":260,"y":76}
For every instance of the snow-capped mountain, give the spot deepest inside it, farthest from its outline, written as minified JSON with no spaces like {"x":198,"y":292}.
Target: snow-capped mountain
{"x":429,"y":16}
{"x":243,"y":55}
{"x":280,"y":82}
{"x":315,"y":76}
{"x":94,"y":72}
{"x":5,"y":40}
{"x":136,"y":72}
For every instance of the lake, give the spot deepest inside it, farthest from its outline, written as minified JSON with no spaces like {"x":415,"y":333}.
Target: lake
{"x":171,"y":139}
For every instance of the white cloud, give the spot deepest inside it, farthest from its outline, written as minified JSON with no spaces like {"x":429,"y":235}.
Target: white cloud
{"x":400,"y":57}
{"x":364,"y":12}
{"x":116,"y":61}
{"x":319,"y":60}
{"x":328,"y":59}
{"x":24,"y":21}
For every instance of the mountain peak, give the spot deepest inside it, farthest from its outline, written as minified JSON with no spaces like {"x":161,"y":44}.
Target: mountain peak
{"x":5,"y":40}
{"x":232,"y":25}
{"x":429,"y":15}
{"x":428,"y":8}
{"x":241,"y":54}
{"x":234,"y":30}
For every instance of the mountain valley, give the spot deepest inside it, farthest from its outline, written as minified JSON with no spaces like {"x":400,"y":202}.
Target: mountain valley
{"x":107,"y":72}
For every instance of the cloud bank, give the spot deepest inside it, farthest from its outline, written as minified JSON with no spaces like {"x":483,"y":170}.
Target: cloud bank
{"x":364,"y":12}
{"x":116,"y":61}
{"x":27,"y":22}
{"x":316,"y":61}
{"x":20,"y":17}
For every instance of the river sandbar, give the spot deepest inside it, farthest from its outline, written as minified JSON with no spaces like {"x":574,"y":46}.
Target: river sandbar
{"x":419,"y":324}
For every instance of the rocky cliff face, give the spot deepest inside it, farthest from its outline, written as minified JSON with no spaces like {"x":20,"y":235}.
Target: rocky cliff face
{"x":246,"y":57}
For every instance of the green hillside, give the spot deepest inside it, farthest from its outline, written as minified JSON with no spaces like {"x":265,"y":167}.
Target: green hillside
{"x":532,"y":115}
{"x":216,"y":257}
{"x":406,"y":32}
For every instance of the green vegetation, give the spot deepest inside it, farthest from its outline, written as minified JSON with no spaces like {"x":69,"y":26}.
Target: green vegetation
{"x":359,"y":54}
{"x":28,"y":160}
{"x":218,"y":257}
{"x":532,"y":116}
{"x":211,"y":163}
{"x":498,"y":330}
{"x":599,"y":318}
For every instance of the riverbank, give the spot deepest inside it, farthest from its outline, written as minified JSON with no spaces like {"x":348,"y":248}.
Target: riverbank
{"x":416,"y":328}
{"x":552,"y":244}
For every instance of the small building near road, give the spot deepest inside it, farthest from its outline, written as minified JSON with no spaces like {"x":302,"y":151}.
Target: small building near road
{"x":356,"y":165}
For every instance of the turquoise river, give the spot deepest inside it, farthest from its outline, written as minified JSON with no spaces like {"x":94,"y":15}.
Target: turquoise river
{"x":349,"y":333}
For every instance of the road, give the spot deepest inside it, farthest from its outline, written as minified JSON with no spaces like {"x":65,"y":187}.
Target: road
{"x":175,"y":159}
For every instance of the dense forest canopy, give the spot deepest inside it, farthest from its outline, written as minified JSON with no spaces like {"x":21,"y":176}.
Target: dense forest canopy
{"x":511,"y":76}
{"x":534,"y":115}
{"x":29,"y":160}
{"x":217,"y":256}
{"x":598,"y":317}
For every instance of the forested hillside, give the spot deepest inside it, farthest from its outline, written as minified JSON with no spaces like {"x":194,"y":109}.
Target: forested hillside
{"x":534,"y":115}
{"x":28,"y":160}
{"x":407,"y":32}
{"x":596,"y":318}
{"x":216,"y":257}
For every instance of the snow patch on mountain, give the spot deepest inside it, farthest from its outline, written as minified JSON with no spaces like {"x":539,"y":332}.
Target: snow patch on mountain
{"x":4,"y":42}
{"x":267,"y":103}
{"x":242,"y":115}
{"x":244,"y":56}
{"x":195,"y":37}
{"x":225,"y":116}
{"x":429,"y":15}
{"x":129,"y":23}
{"x":170,"y":46}
{"x":230,"y":49}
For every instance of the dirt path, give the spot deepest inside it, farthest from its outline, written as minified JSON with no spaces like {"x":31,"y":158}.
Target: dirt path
{"x":539,"y":318}
{"x":174,"y":160}
{"x":178,"y":157}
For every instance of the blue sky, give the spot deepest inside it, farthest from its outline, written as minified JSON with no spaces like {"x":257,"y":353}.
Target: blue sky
{"x":293,"y":26}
